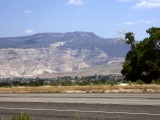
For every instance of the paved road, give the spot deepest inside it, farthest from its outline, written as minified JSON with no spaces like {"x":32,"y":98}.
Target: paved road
{"x":83,"y":106}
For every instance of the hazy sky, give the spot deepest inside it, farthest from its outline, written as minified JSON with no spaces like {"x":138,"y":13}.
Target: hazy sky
{"x":106,"y":18}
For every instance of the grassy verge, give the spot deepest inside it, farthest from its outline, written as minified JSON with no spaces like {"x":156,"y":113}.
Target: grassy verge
{"x":21,"y":116}
{"x":84,"y":89}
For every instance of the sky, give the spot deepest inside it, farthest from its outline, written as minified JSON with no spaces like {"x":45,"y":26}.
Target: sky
{"x":105,"y":18}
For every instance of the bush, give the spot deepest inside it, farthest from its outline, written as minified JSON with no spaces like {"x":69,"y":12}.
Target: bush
{"x":158,"y":81}
{"x":129,"y":82}
{"x":145,"y":89}
{"x":140,"y":82}
{"x":22,"y":116}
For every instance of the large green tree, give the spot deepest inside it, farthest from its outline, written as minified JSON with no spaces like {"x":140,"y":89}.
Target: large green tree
{"x":143,"y":60}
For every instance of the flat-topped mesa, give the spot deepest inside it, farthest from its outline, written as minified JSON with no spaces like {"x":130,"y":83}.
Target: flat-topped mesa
{"x":45,"y":39}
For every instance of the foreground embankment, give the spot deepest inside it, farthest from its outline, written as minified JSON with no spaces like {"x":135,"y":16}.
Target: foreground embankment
{"x":84,"y":89}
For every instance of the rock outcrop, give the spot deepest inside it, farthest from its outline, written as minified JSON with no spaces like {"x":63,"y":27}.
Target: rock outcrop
{"x":55,"y":52}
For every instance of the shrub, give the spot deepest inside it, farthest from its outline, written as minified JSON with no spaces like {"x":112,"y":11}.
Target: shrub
{"x":22,"y":116}
{"x":158,"y":81}
{"x":145,"y":89}
{"x":140,"y":82}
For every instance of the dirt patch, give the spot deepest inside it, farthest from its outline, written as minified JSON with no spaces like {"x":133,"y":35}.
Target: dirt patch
{"x":84,"y":89}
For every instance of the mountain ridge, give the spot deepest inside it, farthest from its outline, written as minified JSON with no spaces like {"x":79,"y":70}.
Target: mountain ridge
{"x":56,"y":52}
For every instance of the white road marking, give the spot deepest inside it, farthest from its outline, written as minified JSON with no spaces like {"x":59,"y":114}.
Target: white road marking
{"x":35,"y":109}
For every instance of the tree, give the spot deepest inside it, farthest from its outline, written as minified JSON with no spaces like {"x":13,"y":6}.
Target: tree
{"x":129,"y":39}
{"x":142,"y":62}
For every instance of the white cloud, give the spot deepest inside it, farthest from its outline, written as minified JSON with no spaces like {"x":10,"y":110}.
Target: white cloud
{"x":145,"y":21}
{"x":129,"y":23}
{"x":29,"y":31}
{"x":138,"y":22}
{"x":28,"y":11}
{"x":76,"y":2}
{"x":125,"y":0}
{"x":146,"y":4}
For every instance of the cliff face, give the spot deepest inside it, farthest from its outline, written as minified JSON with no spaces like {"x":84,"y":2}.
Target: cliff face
{"x":28,"y":62}
{"x":55,"y":52}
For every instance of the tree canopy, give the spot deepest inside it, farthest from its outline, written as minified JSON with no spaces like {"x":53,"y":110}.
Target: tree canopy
{"x":142,"y":62}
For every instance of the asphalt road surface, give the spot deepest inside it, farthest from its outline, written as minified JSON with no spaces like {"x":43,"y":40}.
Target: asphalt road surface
{"x":123,"y":106}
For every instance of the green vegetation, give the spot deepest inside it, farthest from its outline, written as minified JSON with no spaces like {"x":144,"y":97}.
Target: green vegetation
{"x":142,"y":62}
{"x":62,"y":81}
{"x":22,"y":116}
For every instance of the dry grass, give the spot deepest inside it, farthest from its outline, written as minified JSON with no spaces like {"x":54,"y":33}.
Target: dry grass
{"x":85,"y":89}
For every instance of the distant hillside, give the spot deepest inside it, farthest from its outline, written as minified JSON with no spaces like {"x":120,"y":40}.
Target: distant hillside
{"x":113,"y":67}
{"x":56,"y":52}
